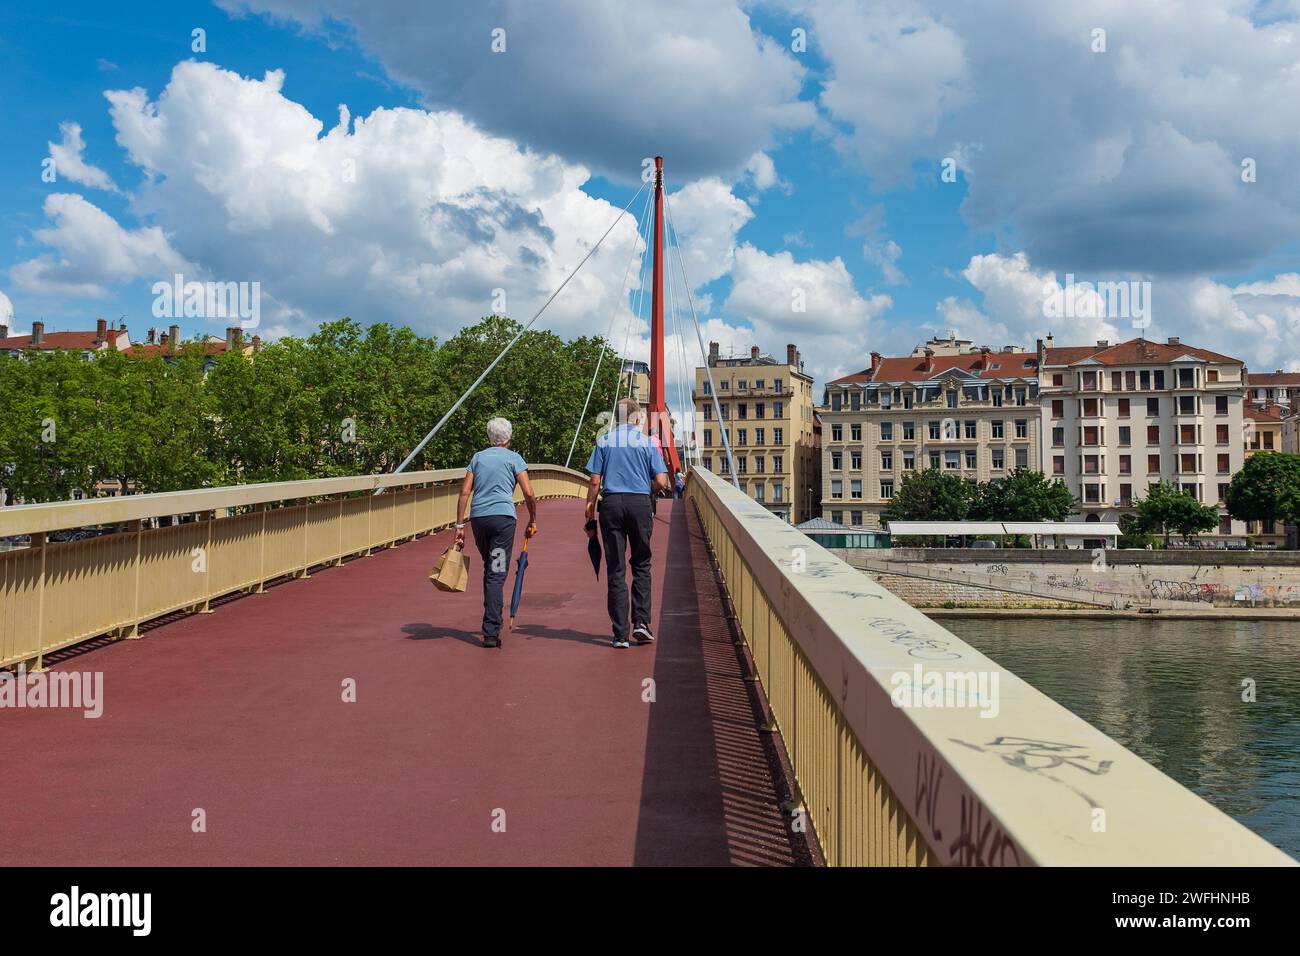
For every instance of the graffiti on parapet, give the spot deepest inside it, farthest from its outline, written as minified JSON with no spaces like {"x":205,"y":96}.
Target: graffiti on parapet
{"x":1041,"y":757}
{"x":929,"y":778}
{"x":998,"y":569}
{"x":981,"y":842}
{"x":918,"y":645}
{"x":1077,"y":583}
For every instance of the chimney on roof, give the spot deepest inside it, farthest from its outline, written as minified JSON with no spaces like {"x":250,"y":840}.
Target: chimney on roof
{"x":232,"y":336}
{"x":101,"y":331}
{"x":257,"y":343}
{"x":38,"y":332}
{"x":791,"y":354}
{"x":753,"y":353}
{"x":174,"y":335}
{"x":929,"y":360}
{"x":4,"y":331}
{"x":876,"y":359}
{"x":151,"y":337}
{"x":1173,"y":340}
{"x":713,"y":353}
{"x":984,"y":357}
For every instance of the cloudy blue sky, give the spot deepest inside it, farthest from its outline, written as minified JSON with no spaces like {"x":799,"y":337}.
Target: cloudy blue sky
{"x":382,"y":160}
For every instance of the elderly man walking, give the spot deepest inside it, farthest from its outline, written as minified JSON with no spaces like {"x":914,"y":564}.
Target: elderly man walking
{"x":626,"y":469}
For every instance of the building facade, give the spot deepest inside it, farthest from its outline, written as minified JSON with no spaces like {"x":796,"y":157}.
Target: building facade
{"x":766,"y":407}
{"x":949,"y":405}
{"x":1120,"y":418}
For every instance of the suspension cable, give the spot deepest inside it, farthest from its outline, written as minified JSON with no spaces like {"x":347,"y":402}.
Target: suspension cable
{"x":604,"y":343}
{"x":627,"y":338}
{"x":699,"y":336}
{"x":520,"y":334}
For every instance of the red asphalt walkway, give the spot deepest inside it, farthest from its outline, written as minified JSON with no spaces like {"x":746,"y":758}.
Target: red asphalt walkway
{"x":240,"y":714}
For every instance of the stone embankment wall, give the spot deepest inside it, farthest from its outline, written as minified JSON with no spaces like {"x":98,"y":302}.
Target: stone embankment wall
{"x":1116,"y":578}
{"x":923,"y":593}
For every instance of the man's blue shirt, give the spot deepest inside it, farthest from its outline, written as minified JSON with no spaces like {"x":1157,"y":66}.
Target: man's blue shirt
{"x":628,"y":459}
{"x":494,"y":471}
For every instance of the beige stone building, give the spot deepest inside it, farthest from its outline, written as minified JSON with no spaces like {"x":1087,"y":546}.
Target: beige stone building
{"x":950,"y":405}
{"x":767,"y":409}
{"x":1120,"y":418}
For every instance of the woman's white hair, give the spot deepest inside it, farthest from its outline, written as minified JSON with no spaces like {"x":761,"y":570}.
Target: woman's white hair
{"x":499,"y":431}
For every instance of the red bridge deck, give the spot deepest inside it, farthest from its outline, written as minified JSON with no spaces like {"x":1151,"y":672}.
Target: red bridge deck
{"x":241,"y":714}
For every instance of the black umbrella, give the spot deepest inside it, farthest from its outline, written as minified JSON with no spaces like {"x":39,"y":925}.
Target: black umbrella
{"x":520,"y":568}
{"x":593,"y":546}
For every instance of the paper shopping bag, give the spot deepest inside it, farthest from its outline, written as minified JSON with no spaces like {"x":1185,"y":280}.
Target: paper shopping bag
{"x":451,"y":573}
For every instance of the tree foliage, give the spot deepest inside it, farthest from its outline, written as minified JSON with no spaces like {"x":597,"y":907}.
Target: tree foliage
{"x":1023,"y":495}
{"x":345,"y":400}
{"x":1167,"y":510}
{"x":1266,"y":489}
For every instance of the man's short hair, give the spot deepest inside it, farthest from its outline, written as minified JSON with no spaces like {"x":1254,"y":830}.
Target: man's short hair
{"x":629,"y":412}
{"x":499,"y":431}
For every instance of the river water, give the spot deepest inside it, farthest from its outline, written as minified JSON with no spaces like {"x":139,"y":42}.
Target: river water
{"x":1171,"y":691}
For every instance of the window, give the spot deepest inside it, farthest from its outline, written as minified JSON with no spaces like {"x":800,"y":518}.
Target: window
{"x":1223,"y":491}
{"x":1058,"y":465}
{"x":724,"y":385}
{"x":1125,"y":496}
{"x":837,"y":517}
{"x":760,"y":408}
{"x":837,"y":433}
{"x":741,"y":435}
{"x":1058,"y":437}
{"x":1268,"y":440}
{"x":1123,"y":407}
{"x":1058,"y":408}
{"x":1020,"y":397}
{"x":1153,"y":464}
{"x":837,"y":461}
{"x":708,"y":412}
{"x":1186,"y":404}
{"x":1187,"y":434}
{"x":778,"y":409}
{"x":1130,"y":380}
{"x":952,"y":399}
{"x":909,"y":431}
{"x":855,"y":459}
{"x":776,"y":385}
{"x":909,"y":460}
{"x":886,"y":460}
{"x":1153,"y":407}
{"x":855,"y":487}
{"x":856,"y":518}
{"x":1145,"y":378}
{"x":835,"y":401}
{"x":742,"y":384}
{"x":759,"y":461}
{"x":1089,"y":407}
{"x":778,"y":463}
{"x":1022,"y":457}
{"x":1091,"y":435}
{"x":934,"y":459}
{"x":1186,"y":378}
{"x":778,"y":436}
{"x":1022,"y":428}
{"x":1220,"y":404}
{"x":1126,"y":464}
{"x":708,"y":437}
{"x":1158,"y":376}
{"x":970,"y":457}
{"x":1091,"y":464}
{"x":742,"y":410}
{"x":758,"y":490}
{"x":855,"y":431}
{"x":1058,"y":379}
{"x":886,"y":489}
{"x":951,"y":460}
{"x":1125,"y":435}
{"x":969,"y":429}
{"x":996,"y":393}
{"x":855,"y":400}
{"x":741,"y":464}
{"x":776,"y":491}
{"x":997,"y":458}
{"x":1224,"y":465}
{"x":996,"y":429}
{"x":708,"y":462}
{"x":1153,"y":434}
{"x":837,"y":489}
{"x":886,"y":431}
{"x":758,"y":436}
{"x":934,"y":430}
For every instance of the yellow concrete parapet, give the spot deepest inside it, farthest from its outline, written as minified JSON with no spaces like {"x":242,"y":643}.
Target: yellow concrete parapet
{"x":1011,"y":778}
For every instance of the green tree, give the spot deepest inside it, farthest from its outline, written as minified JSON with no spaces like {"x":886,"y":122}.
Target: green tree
{"x":1023,"y":495}
{"x":1167,"y":509}
{"x":930,"y":495}
{"x":1266,"y":489}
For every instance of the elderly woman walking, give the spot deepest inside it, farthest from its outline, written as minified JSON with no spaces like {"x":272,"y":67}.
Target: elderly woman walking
{"x":491,"y":478}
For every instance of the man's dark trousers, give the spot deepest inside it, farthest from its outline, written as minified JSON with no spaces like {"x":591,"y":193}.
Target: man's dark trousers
{"x":495,"y":537}
{"x":627,"y":520}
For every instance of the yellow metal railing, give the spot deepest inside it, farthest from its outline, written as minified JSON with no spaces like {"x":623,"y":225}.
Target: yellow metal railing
{"x":56,"y":594}
{"x":892,"y":777}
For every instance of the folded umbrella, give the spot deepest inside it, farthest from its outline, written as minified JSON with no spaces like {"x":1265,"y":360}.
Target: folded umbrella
{"x":520,"y":568}
{"x":593,"y":546}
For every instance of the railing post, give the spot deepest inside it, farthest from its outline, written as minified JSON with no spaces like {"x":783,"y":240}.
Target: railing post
{"x":338,"y":560}
{"x":40,"y":540}
{"x":261,"y":551}
{"x":306,"y":525}
{"x":207,"y":556}
{"x":137,"y":528}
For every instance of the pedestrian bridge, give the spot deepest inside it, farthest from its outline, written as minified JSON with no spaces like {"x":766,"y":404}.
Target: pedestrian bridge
{"x":282,"y":685}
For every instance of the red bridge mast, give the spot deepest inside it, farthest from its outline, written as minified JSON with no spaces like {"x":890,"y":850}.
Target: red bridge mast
{"x":660,"y":425}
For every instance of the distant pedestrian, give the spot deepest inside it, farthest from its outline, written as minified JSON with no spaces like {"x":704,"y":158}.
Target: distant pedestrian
{"x":680,"y":485}
{"x":491,"y":478}
{"x":627,"y":469}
